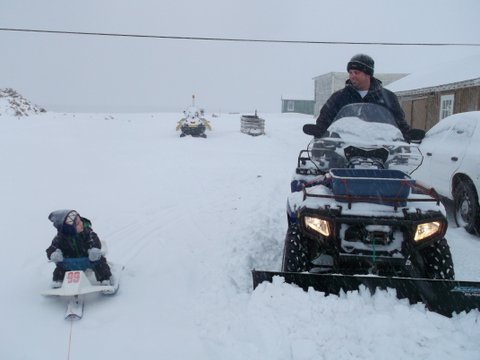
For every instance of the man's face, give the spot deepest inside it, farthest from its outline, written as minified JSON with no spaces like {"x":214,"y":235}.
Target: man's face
{"x":359,"y":79}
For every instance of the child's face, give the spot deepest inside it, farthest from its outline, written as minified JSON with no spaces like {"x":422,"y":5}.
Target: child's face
{"x":78,"y":225}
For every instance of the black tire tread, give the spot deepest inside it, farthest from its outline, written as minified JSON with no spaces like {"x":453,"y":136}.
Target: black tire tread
{"x":438,"y":261}
{"x":466,"y":188}
{"x":295,"y":252}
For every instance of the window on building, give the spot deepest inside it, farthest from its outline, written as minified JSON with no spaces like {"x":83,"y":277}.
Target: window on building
{"x":446,"y":106}
{"x":290,"y":105}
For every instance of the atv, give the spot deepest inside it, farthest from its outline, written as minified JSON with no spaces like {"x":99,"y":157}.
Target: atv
{"x":356,"y":217}
{"x":364,"y":214}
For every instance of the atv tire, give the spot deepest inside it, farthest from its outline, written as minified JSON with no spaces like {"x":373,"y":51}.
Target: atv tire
{"x":437,"y":260}
{"x":295,"y":251}
{"x":466,"y":208}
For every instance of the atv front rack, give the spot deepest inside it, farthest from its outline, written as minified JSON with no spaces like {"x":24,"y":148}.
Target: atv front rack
{"x":431,"y":196}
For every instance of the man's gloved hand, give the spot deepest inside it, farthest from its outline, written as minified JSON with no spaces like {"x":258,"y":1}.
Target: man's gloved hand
{"x":57,"y":256}
{"x":414,"y":136}
{"x":314,"y":130}
{"x":94,"y":254}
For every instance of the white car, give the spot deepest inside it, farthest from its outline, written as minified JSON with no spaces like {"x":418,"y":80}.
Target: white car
{"x":451,"y":165}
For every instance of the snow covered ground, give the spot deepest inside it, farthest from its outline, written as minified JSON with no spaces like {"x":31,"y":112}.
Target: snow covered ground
{"x":189,"y":218}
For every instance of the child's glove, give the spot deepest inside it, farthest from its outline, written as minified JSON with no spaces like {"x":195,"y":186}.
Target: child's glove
{"x":57,"y":256}
{"x":94,"y":254}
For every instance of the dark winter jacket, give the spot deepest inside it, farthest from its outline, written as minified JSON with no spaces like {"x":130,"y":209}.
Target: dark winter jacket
{"x":74,"y":246}
{"x":349,"y":95}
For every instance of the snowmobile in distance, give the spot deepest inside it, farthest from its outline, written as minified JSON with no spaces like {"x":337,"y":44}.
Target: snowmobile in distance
{"x":193,"y":123}
{"x":356,"y":217}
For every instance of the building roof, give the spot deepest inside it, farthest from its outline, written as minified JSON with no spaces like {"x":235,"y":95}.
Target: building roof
{"x":298,"y":97}
{"x":454,"y":73}
{"x":341,"y":77}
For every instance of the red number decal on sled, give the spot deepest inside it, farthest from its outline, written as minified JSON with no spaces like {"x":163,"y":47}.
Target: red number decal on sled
{"x":73,"y":277}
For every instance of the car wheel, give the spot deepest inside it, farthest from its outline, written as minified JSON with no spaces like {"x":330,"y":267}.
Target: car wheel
{"x":466,"y":208}
{"x":295,"y":251}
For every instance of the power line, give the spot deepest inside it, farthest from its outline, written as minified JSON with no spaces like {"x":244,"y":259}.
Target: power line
{"x":224,"y":39}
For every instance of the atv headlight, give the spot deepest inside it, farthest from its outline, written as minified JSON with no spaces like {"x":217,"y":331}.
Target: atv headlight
{"x":426,"y":230}
{"x":318,"y":225}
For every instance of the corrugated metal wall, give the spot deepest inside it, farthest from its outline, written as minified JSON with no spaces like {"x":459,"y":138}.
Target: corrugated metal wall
{"x":468,"y":99}
{"x":423,"y":111}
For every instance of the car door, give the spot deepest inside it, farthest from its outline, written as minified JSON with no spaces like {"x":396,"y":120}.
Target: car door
{"x":470,"y":165}
{"x":434,"y":138}
{"x":448,"y":156}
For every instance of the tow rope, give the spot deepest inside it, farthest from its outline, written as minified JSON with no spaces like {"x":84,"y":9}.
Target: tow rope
{"x":70,"y":340}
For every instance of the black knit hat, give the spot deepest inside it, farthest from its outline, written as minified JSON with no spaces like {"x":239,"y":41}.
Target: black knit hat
{"x":361,"y":62}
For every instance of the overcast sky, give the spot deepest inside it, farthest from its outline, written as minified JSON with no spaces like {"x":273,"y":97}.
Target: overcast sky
{"x":111,"y":74}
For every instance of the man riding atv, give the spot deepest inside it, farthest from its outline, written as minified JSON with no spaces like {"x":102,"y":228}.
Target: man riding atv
{"x":357,"y":219}
{"x":362,"y":86}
